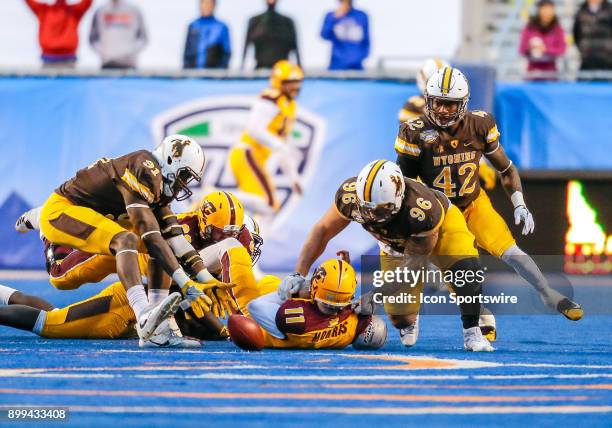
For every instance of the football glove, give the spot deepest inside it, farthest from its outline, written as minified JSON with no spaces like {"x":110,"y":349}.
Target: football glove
{"x":364,"y":305}
{"x":522,"y":215}
{"x":290,"y":285}
{"x":194,"y":293}
{"x":223,"y":304}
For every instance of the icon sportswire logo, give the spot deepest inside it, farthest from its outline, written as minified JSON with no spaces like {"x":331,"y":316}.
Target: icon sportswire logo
{"x":216,"y":123}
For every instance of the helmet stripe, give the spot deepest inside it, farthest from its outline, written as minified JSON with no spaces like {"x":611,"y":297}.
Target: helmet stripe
{"x":446,"y":80}
{"x":339,"y":273}
{"x":367,"y":194}
{"x":231,"y":207}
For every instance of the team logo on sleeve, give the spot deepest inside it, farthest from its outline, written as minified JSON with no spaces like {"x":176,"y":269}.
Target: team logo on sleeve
{"x":429,"y":136}
{"x":216,"y":123}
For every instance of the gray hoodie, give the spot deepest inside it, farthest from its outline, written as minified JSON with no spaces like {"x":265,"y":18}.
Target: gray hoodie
{"x":118,"y":33}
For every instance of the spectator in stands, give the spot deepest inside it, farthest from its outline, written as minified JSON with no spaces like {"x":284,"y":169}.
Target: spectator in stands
{"x":273,"y":36}
{"x":58,"y":25}
{"x":208,"y":42}
{"x":593,"y":34}
{"x":347,"y":29}
{"x":118,"y":34}
{"x":543,"y":41}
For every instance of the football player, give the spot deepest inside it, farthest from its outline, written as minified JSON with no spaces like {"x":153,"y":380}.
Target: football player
{"x":444,"y":147}
{"x":119,"y":207}
{"x":324,"y":319}
{"x":407,"y":219}
{"x":415,"y":107}
{"x":270,"y":122}
{"x":108,"y":315}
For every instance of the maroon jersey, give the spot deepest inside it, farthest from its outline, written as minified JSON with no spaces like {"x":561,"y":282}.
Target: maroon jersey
{"x":305,"y":327}
{"x":422,"y":211}
{"x":96,"y":186}
{"x":448,"y":161}
{"x":191,"y":230}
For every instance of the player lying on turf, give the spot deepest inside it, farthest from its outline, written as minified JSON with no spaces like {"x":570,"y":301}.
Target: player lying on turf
{"x":444,"y":147}
{"x":324,"y":319}
{"x":107,"y":315}
{"x":414,"y":107}
{"x":407,"y":219}
{"x":119,"y":207}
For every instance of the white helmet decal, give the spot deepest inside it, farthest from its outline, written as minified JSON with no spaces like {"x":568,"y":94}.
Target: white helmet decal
{"x":427,"y":70}
{"x":182,"y":160}
{"x":447,"y":84}
{"x":380,"y":190}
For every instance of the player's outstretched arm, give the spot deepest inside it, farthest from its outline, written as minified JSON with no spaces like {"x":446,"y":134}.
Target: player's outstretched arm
{"x":330,"y":225}
{"x":511,"y":181}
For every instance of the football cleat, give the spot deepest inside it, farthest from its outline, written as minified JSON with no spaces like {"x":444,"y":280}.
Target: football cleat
{"x":168,"y":335}
{"x":155,"y":315}
{"x":486,"y":322}
{"x":474,"y":341}
{"x":570,"y":310}
{"x":410,"y":334}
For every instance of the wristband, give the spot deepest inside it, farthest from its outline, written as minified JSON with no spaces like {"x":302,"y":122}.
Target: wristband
{"x":517,"y":199}
{"x":204,"y":276}
{"x":180,"y":277}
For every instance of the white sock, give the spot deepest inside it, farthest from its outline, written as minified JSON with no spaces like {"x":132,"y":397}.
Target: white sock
{"x":524,"y":265}
{"x":40,"y":323}
{"x":5,"y":294}
{"x":138,"y":299}
{"x":156,"y":296}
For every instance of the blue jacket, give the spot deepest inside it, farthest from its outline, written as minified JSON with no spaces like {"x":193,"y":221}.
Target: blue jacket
{"x":207,"y":44}
{"x":350,"y":39}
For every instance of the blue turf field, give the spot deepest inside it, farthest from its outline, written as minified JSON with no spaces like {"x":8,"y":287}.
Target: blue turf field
{"x":546,"y":372}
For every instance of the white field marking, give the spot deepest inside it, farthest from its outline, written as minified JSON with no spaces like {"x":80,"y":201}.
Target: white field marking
{"x":561,"y":366}
{"x":386,"y":411}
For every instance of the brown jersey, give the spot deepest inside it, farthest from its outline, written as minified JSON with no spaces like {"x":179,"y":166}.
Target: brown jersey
{"x":449,"y":161}
{"x":422,"y":211}
{"x":305,"y":327}
{"x":412,"y":107}
{"x":96,"y":186}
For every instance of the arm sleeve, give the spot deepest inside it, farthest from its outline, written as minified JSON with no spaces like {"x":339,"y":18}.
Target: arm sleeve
{"x":94,"y":33}
{"x":262,"y":113}
{"x":80,"y":8}
{"x":577,"y":30}
{"x":227,"y":47}
{"x":327,"y":32}
{"x":557,"y":47}
{"x":524,"y":44}
{"x":264,"y":309}
{"x":35,"y":6}
{"x":142,"y":180}
{"x":491,"y":134}
{"x":408,"y":165}
{"x":141,"y":34}
{"x":404,"y":145}
{"x":294,"y":43}
{"x":366,"y":36}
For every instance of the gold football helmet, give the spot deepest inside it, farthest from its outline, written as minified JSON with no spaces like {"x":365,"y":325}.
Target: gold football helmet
{"x":334,"y":283}
{"x":221,"y":211}
{"x":284,"y":71}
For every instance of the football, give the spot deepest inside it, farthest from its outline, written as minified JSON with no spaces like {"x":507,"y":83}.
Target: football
{"x":245,"y":333}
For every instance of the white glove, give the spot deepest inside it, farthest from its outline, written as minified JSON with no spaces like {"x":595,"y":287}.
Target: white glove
{"x":522,"y":215}
{"x":364,"y":305}
{"x":290,"y":285}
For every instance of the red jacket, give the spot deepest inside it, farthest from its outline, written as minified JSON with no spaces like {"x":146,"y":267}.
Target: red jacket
{"x":58,"y":26}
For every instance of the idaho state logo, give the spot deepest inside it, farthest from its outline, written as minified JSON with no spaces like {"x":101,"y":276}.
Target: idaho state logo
{"x":216,"y":123}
